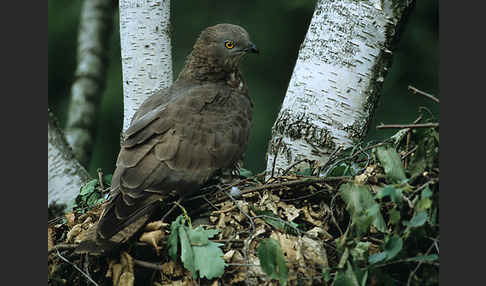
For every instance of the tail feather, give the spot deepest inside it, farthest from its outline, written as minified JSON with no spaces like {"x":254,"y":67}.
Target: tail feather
{"x":118,"y":223}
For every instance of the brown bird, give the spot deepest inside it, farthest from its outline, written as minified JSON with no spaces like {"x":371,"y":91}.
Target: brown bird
{"x":181,"y":135}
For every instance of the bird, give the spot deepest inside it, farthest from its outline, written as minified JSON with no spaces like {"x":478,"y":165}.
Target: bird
{"x":180,"y":136}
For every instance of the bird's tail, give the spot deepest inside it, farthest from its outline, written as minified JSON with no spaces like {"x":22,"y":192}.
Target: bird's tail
{"x":118,"y":223}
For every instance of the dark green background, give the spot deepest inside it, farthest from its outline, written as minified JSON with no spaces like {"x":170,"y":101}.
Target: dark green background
{"x":277,"y":28}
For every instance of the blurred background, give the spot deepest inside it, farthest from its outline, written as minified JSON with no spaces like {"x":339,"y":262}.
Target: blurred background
{"x":278,"y":31}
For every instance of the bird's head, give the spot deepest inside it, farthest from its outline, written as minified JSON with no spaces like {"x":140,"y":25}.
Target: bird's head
{"x":220,"y":47}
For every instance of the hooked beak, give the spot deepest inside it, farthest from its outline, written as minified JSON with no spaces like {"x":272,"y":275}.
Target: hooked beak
{"x":252,"y":49}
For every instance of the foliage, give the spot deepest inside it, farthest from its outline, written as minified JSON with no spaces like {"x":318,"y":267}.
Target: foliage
{"x":92,"y":193}
{"x":272,"y":260}
{"x":200,"y":256}
{"x":397,"y":210}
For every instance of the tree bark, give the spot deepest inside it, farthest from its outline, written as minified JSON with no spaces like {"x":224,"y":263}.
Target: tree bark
{"x":65,"y":175}
{"x":145,"y":51}
{"x":336,"y":80}
{"x":90,"y":76}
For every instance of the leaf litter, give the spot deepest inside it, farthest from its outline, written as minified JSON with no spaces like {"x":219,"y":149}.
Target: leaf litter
{"x":375,"y":224}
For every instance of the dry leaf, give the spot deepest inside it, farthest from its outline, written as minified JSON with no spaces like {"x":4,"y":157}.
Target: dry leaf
{"x":50,"y":238}
{"x":187,"y":281}
{"x":314,"y":252}
{"x":308,"y":216}
{"x":70,"y":219}
{"x":319,"y":232}
{"x":239,"y":277}
{"x":121,"y":272}
{"x":73,"y":233}
{"x":290,"y":211}
{"x":155,"y":225}
{"x":152,"y":238}
{"x":229,"y":255}
{"x":361,"y":179}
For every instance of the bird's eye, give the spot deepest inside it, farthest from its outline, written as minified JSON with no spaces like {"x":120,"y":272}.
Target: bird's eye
{"x":229,"y":44}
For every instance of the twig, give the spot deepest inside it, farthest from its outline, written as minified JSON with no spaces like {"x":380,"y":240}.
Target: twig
{"x":175,"y":204}
{"x":61,"y":246}
{"x":408,"y":153}
{"x":419,"y":125}
{"x":418,"y":266}
{"x":303,"y":181}
{"x":100,"y":178}
{"x":332,"y":215}
{"x":275,"y":157}
{"x":430,"y":96}
{"x":293,"y":165}
{"x":77,"y":268}
{"x":410,"y":204}
{"x":146,"y":264}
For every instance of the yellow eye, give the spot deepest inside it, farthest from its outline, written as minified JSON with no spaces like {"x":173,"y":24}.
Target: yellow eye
{"x":229,"y":44}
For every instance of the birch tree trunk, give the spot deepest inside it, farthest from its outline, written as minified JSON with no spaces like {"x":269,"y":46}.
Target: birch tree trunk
{"x":336,"y":80}
{"x":65,"y":175}
{"x":145,"y":51}
{"x":90,"y":76}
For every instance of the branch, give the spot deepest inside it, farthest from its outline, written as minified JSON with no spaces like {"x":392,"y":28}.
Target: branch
{"x":430,"y":96}
{"x":418,"y":125}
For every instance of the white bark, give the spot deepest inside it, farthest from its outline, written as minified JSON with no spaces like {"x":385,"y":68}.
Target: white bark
{"x":336,"y":80}
{"x":95,"y":28}
{"x":65,"y":175}
{"x":145,"y":51}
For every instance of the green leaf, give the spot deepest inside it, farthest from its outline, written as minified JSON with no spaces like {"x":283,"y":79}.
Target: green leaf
{"x":272,"y":260}
{"x":198,"y":254}
{"x":326,"y":274}
{"x":187,"y":253}
{"x":426,"y":193}
{"x":423,"y":258}
{"x":390,"y":160}
{"x":392,"y":246}
{"x":362,"y":207}
{"x":390,"y":191}
{"x":89,"y":187}
{"x":377,"y":257}
{"x":245,"y":173}
{"x":305,"y":172}
{"x":348,"y":278}
{"x":173,"y":241}
{"x":423,"y":204}
{"x":360,"y":251}
{"x":378,"y":221}
{"x":200,"y":236}
{"x":394,"y":216}
{"x":278,"y":223}
{"x":93,"y":199}
{"x":208,"y":260}
{"x":417,"y":220}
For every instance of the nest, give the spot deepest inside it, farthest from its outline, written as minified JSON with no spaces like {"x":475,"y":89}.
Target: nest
{"x":344,"y":226}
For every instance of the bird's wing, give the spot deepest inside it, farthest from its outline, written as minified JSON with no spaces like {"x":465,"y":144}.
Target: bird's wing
{"x":177,"y":145}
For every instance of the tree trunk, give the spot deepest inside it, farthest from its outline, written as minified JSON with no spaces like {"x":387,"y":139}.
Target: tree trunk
{"x":336,"y":80}
{"x":145,"y":51}
{"x":65,"y":175}
{"x":90,"y":77}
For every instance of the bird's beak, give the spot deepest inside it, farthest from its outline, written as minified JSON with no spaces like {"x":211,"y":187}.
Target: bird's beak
{"x":252,"y":49}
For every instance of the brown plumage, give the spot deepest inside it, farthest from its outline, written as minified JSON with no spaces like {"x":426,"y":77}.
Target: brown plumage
{"x":180,"y":135}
